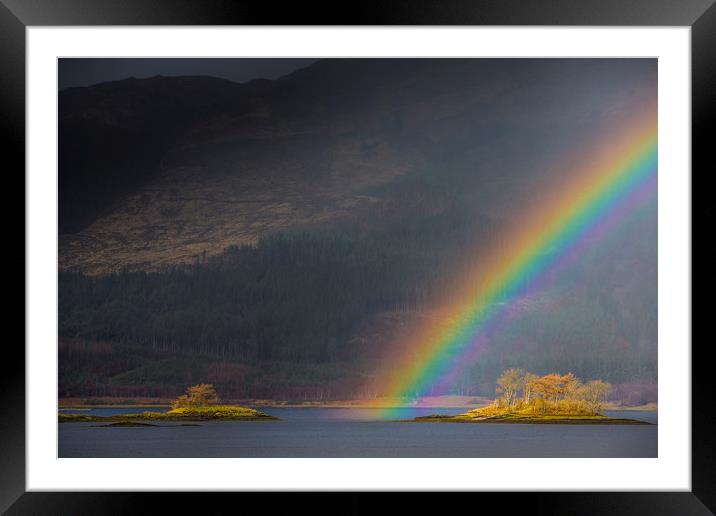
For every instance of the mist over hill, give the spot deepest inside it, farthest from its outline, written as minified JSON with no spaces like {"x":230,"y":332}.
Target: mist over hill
{"x":272,"y":237}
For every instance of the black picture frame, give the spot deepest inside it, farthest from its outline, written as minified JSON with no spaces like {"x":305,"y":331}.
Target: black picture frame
{"x":16,"y":15}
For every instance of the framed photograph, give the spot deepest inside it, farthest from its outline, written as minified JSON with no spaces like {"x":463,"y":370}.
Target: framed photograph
{"x":435,"y":247}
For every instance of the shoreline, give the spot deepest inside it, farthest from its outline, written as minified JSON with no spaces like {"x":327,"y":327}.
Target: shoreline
{"x":200,"y":413}
{"x":433,"y":403}
{"x":528,"y":420}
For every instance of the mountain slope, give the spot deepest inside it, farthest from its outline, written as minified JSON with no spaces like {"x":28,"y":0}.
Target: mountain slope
{"x":162,"y":171}
{"x":277,"y":237}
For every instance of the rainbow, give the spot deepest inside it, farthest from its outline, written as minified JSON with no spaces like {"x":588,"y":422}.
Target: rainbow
{"x":620,"y":176}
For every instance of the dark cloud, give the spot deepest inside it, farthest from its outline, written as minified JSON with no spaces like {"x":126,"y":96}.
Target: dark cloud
{"x":88,"y":71}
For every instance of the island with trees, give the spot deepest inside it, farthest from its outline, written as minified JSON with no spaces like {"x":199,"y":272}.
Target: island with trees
{"x":199,"y":403}
{"x":524,"y":397}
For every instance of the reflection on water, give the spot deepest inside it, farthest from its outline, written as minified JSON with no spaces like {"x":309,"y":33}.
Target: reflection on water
{"x":351,"y":432}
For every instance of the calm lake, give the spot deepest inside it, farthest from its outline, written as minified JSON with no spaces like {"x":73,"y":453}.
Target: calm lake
{"x":353,"y":432}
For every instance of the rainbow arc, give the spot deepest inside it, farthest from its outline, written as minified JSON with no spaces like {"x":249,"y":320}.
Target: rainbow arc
{"x":621,"y":175}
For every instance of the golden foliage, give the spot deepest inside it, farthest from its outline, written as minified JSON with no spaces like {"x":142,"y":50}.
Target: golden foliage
{"x":200,"y":395}
{"x":524,"y":393}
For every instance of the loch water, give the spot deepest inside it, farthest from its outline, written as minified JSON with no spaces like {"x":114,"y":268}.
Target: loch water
{"x":356,"y":432}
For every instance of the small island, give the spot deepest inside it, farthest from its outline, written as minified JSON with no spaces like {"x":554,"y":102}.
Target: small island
{"x":526,"y":398}
{"x":199,"y":403}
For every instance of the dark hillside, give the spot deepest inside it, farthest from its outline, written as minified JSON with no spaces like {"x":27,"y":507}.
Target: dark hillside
{"x":273,"y":237}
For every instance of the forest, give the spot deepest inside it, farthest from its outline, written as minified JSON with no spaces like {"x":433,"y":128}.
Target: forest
{"x":285,"y":318}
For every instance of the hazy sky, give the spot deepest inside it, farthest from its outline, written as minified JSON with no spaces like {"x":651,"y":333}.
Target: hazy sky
{"x":88,"y":71}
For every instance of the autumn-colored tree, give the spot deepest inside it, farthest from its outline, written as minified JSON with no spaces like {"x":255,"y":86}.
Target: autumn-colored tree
{"x":571,"y":386}
{"x":595,"y":393}
{"x":528,"y":386}
{"x":547,"y":386}
{"x":510,"y":383}
{"x":197,"y":396}
{"x":555,"y":387}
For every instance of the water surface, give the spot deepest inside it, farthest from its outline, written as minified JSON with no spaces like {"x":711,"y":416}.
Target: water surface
{"x":353,"y":432}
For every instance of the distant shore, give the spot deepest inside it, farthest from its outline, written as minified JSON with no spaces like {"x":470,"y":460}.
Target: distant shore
{"x":437,"y":402}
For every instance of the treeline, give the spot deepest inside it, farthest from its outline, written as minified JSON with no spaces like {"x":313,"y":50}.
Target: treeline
{"x":114,"y":371}
{"x":295,"y":297}
{"x":300,"y":297}
{"x":297,"y":300}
